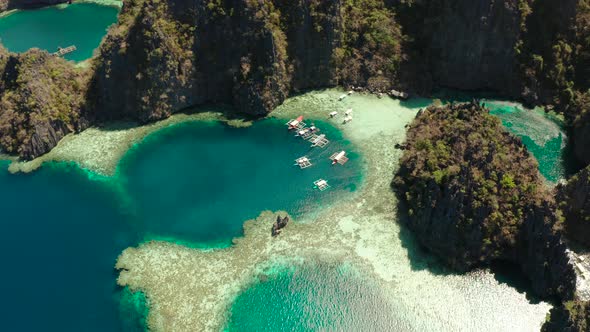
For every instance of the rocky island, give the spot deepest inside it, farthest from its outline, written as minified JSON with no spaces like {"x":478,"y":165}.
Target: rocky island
{"x":474,"y":195}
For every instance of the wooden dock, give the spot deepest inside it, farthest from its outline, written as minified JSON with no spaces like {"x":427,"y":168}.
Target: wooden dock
{"x":63,"y":51}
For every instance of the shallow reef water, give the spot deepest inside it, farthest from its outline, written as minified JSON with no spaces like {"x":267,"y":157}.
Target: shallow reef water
{"x":543,"y":135}
{"x":392,"y":284}
{"x":193,"y":183}
{"x":344,"y":264}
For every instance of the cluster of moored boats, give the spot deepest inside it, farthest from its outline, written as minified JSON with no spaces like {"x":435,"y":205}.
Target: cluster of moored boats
{"x":312,"y":134}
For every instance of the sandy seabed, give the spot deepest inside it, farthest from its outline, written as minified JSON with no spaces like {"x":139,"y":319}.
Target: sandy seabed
{"x":192,"y":289}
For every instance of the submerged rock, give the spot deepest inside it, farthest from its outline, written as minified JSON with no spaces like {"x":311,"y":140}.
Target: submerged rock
{"x":278,"y":226}
{"x":473,"y":195}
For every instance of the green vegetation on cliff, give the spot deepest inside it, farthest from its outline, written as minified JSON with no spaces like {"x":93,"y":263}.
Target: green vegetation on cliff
{"x":473,"y":194}
{"x":571,"y":316}
{"x":370,"y":51}
{"x":41,"y":102}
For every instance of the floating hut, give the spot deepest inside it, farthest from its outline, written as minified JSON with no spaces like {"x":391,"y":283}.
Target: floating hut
{"x":347,"y":119}
{"x":348,"y":112}
{"x":341,"y":98}
{"x":303,"y":162}
{"x":321,"y":184}
{"x":296,"y":124}
{"x":333,"y":114}
{"x":339,"y":158}
{"x":350,"y":92}
{"x":318,"y":140}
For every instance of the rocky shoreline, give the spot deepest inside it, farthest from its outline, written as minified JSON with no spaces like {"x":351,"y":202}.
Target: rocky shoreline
{"x":147,"y":67}
{"x":473,"y":195}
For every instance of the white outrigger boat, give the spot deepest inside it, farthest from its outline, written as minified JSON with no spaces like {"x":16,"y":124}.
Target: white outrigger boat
{"x":303,"y":162}
{"x":307,"y":132}
{"x":321,"y":184}
{"x":339,"y":158}
{"x":318,"y":140}
{"x":296,"y":124}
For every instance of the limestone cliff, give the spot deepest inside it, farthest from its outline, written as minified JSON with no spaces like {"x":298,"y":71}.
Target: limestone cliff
{"x":572,"y":316}
{"x":464,"y":44}
{"x":474,"y":195}
{"x":165,"y":56}
{"x":41,"y":100}
{"x":574,"y":198}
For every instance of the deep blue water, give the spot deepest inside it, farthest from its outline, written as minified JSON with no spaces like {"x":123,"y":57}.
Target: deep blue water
{"x":195,"y":182}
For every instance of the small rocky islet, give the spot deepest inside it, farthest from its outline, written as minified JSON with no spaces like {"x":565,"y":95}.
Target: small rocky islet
{"x":471,"y":191}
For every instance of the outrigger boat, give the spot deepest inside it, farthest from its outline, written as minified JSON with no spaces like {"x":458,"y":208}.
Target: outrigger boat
{"x":319,"y":140}
{"x":296,"y":123}
{"x":321,"y":184}
{"x":306,"y":132}
{"x":303,"y":162}
{"x":339,"y":158}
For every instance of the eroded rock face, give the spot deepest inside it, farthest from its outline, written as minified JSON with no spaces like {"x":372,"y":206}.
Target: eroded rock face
{"x":474,"y":195}
{"x":572,"y":316}
{"x":574,"y":198}
{"x":41,"y":100}
{"x":471,"y":44}
{"x":581,"y":139}
{"x":166,"y":56}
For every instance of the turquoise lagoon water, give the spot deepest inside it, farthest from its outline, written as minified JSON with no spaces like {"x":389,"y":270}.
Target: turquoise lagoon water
{"x":195,"y":182}
{"x":544,"y":137}
{"x":542,"y":134}
{"x":82,"y":25}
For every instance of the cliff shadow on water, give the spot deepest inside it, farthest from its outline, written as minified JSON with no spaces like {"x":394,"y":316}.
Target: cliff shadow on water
{"x":421,"y":259}
{"x":419,"y":256}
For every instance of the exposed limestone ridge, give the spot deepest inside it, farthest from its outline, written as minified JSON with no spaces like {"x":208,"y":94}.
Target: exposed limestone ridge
{"x":571,"y":316}
{"x":474,"y":195}
{"x":574,"y":198}
{"x":41,"y":100}
{"x":165,"y":56}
